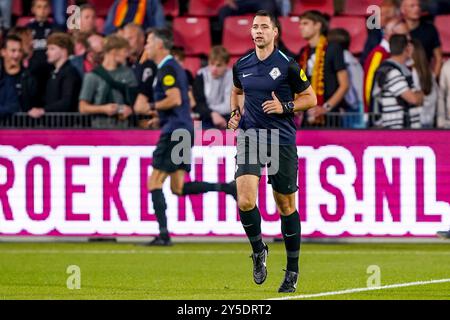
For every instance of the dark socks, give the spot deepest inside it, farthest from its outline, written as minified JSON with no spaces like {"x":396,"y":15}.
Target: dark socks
{"x":200,"y":187}
{"x":159,"y":204}
{"x":291,"y":229}
{"x":251,"y":221}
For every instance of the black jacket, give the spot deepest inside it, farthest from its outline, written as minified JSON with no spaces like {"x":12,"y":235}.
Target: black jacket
{"x":26,"y":91}
{"x":63,"y":89}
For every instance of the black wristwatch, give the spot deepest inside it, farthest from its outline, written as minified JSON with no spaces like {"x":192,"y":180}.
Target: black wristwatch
{"x":288,"y":107}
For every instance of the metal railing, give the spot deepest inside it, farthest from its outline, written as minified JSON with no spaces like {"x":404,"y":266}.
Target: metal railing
{"x":81,"y":121}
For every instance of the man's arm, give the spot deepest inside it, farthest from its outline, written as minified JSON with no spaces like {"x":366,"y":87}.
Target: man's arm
{"x":305,"y":100}
{"x":438,"y":61}
{"x":171,"y":101}
{"x":413,"y":97}
{"x":87,"y":108}
{"x":340,"y":93}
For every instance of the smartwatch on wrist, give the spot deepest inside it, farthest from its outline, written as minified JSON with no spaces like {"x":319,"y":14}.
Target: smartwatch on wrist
{"x":288,"y":107}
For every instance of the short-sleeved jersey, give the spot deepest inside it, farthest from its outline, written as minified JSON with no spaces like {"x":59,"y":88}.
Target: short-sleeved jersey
{"x":171,"y":75}
{"x":258,"y":79}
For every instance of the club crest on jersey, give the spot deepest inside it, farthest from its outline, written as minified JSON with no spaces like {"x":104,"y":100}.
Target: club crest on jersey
{"x":275,"y":73}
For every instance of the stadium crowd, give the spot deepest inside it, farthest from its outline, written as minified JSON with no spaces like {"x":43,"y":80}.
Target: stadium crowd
{"x":94,"y":62}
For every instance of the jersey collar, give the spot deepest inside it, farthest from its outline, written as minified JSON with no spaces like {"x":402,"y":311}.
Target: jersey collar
{"x":163,"y":62}
{"x":270,"y":58}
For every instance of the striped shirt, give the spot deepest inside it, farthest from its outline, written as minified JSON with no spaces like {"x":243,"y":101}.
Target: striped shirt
{"x":390,"y":104}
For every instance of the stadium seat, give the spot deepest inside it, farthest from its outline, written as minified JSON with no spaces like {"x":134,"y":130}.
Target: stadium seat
{"x":193,"y":64}
{"x":290,"y":33}
{"x":193,"y":34}
{"x":205,"y":8}
{"x":233,"y":60}
{"x":325,"y":6}
{"x":236,"y":35}
{"x":171,"y":8}
{"x":356,"y":26}
{"x":17,"y":8}
{"x":102,"y":6}
{"x":358,"y":7}
{"x":23,"y":21}
{"x":442,"y":24}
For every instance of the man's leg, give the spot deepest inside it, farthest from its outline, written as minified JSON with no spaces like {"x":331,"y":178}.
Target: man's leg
{"x":247,"y":186}
{"x":290,"y":227}
{"x":155,"y":185}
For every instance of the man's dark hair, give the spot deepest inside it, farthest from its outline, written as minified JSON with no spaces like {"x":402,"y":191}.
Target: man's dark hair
{"x":165,"y":35}
{"x":341,"y":37}
{"x":9,"y":38}
{"x":398,"y":44}
{"x":265,"y":13}
{"x":87,"y":6}
{"x":317,"y":17}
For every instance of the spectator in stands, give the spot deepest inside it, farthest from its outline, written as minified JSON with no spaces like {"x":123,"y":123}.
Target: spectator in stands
{"x":354,"y":96}
{"x":393,"y":91}
{"x":17,"y":86}
{"x":443,"y":119}
{"x":92,"y":57}
{"x":390,"y":9}
{"x":81,"y":43}
{"x":280,"y":44}
{"x":6,"y":12}
{"x":145,"y":13}
{"x":111,"y":88}
{"x":437,"y":7}
{"x":136,"y":38}
{"x":378,"y":55}
{"x":425,"y":81}
{"x":212,"y":90}
{"x":41,"y":28}
{"x":325,"y":66}
{"x":425,"y":32}
{"x":59,"y":8}
{"x":87,"y":19}
{"x":26,"y":35}
{"x":63,"y":87}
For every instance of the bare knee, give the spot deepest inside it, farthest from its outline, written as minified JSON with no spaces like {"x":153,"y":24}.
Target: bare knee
{"x":285,"y":204}
{"x":245,"y":203}
{"x":286,"y":209}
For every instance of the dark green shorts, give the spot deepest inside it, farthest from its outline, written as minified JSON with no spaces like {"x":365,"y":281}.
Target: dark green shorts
{"x":162,"y":156}
{"x":282,"y":176}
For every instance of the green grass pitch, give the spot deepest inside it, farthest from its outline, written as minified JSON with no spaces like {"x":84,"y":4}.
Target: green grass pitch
{"x":217,"y":271}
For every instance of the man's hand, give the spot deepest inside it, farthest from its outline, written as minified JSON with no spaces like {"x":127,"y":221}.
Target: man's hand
{"x":110,"y":109}
{"x":218,"y":121}
{"x":127,"y":111}
{"x":36,"y":113}
{"x":234,"y":120}
{"x":273,"y":106}
{"x":153,"y":123}
{"x":315,"y":113}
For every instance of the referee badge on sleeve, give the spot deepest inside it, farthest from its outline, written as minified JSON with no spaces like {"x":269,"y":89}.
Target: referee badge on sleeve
{"x":168,"y":80}
{"x":303,"y":75}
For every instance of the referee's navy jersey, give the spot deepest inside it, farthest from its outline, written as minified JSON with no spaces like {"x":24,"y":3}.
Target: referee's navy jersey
{"x":171,"y":75}
{"x":258,"y":79}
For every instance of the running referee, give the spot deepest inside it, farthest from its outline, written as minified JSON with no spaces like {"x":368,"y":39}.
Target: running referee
{"x":275,"y":87}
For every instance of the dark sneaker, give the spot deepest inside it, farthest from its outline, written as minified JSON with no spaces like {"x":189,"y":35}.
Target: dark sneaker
{"x":443,"y":234}
{"x":160,"y":241}
{"x":230,"y":188}
{"x":260,"y":265}
{"x":289,"y":283}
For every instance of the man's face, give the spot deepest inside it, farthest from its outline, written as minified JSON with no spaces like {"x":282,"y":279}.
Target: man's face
{"x":54,"y":53}
{"x":309,"y":28}
{"x":27,"y":43}
{"x":135,"y":39}
{"x":87,"y":20}
{"x":13,"y":53}
{"x":387,"y":13}
{"x":95,"y":53}
{"x":411,"y":9}
{"x":217,"y":68}
{"x":263,"y":31}
{"x":121,"y":55}
{"x":153,"y":46}
{"x":41,"y":10}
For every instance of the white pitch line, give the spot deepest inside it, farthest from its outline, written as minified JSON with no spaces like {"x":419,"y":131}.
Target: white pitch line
{"x":356,"y":290}
{"x":207,"y":252}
